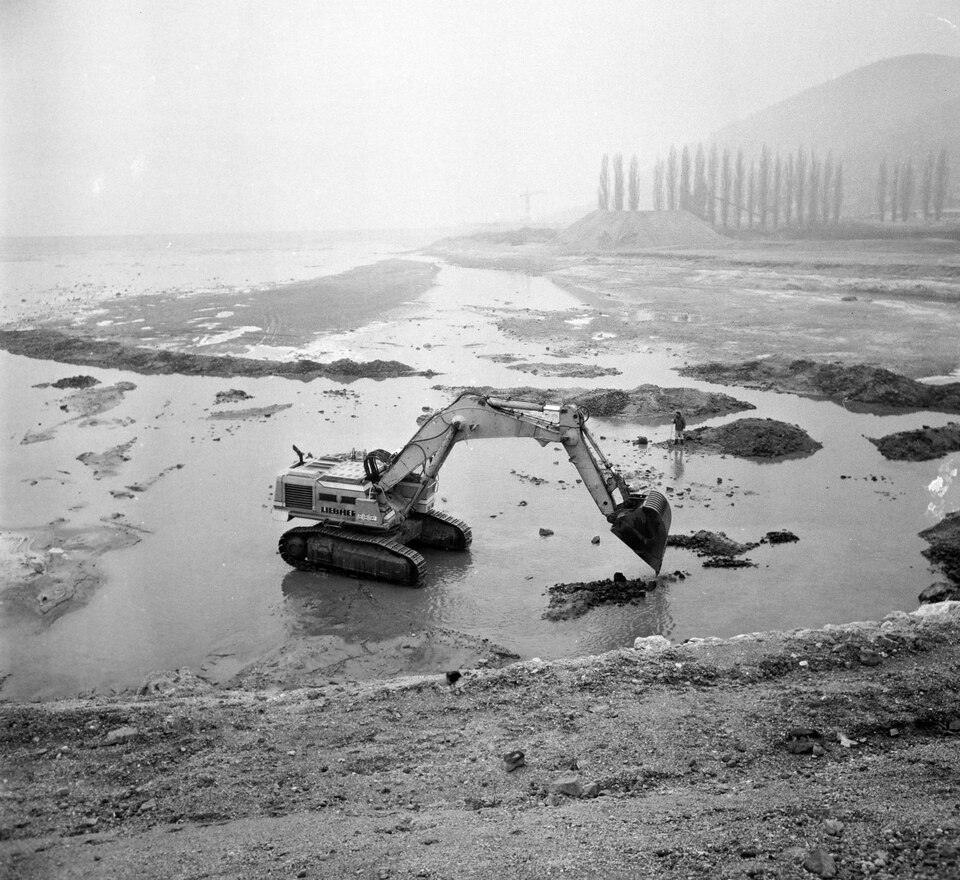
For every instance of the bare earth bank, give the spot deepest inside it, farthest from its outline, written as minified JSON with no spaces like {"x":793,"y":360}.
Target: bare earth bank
{"x":780,"y":755}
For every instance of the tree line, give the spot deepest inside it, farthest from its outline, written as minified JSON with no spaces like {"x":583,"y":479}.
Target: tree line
{"x":724,"y":190}
{"x":897,"y":188}
{"x":800,"y":190}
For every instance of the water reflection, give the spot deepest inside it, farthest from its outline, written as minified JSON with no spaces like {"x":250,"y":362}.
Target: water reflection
{"x":676,"y":469}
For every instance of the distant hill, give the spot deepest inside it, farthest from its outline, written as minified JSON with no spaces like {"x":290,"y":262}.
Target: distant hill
{"x":901,"y":108}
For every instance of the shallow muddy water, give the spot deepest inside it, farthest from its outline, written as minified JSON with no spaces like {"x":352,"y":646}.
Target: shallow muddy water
{"x":205,"y":589}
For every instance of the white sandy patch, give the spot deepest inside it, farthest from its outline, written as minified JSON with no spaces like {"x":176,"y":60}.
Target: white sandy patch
{"x":227,"y":335}
{"x":223,"y":315}
{"x":579,"y":322}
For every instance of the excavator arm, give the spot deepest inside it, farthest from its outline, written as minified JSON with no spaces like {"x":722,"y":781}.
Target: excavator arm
{"x":642,"y":521}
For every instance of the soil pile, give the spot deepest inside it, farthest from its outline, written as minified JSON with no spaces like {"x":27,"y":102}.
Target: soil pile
{"x":644,"y":401}
{"x":754,"y":438}
{"x":873,"y":387}
{"x":568,"y":601}
{"x":944,"y":549}
{"x":921,"y":445}
{"x":625,"y":231}
{"x":54,"y":345}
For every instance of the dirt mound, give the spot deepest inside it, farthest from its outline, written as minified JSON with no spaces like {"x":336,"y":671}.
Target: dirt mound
{"x":944,"y":549}
{"x":919,"y":445}
{"x":624,"y":231}
{"x":569,"y":601}
{"x":873,"y":387}
{"x":755,"y":438}
{"x":644,"y":401}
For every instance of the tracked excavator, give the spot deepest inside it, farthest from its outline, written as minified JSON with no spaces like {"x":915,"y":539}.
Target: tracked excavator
{"x":367,"y":513}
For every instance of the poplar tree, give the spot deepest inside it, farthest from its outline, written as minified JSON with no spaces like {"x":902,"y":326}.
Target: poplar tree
{"x":700,"y":183}
{"x":813,"y":203}
{"x":882,"y":190}
{"x":633,"y":183}
{"x":685,"y":179}
{"x":712,"y":185}
{"x":926,"y":187}
{"x":618,"y":182}
{"x":799,"y":184}
{"x":907,"y":190}
{"x":940,"y":181}
{"x":788,"y":188}
{"x":894,"y":191}
{"x":826,"y":191}
{"x":672,"y":178}
{"x":725,"y":188}
{"x":837,"y":192}
{"x":763,"y":186}
{"x":777,"y":186}
{"x":751,"y":194}
{"x":603,"y":190}
{"x":738,"y":189}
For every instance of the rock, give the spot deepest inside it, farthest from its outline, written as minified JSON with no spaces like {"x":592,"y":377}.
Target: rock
{"x":513,"y":761}
{"x":232,"y":396}
{"x":568,"y":785}
{"x":591,"y":790}
{"x":833,"y":826}
{"x":121,"y":734}
{"x":595,"y":539}
{"x":779,"y":537}
{"x":651,"y":644}
{"x":453,"y":677}
{"x":546,"y":533}
{"x":148,"y":806}
{"x":821,"y":863}
{"x":870,"y":658}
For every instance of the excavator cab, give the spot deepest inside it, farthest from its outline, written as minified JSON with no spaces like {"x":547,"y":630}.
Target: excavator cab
{"x":642,"y":522}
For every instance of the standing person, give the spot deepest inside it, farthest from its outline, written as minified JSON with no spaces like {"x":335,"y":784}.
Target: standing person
{"x":679,"y":426}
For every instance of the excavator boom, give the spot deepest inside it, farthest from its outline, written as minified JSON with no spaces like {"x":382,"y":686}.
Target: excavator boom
{"x":390,"y":496}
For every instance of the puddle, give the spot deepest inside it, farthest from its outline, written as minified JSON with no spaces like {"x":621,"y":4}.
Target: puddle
{"x":205,"y":589}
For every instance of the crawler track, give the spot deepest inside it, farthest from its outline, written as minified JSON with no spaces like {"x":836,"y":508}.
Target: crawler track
{"x":329,"y":548}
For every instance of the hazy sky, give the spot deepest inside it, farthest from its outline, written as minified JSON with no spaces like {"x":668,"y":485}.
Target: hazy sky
{"x":222,"y":115}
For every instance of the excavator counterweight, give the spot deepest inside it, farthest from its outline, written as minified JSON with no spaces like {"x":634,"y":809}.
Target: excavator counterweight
{"x":368,"y":514}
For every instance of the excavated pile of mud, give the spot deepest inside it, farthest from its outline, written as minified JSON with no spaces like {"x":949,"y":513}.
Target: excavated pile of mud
{"x":873,"y":388}
{"x":569,"y":601}
{"x":944,"y":549}
{"x":920,"y":445}
{"x":754,"y":438}
{"x":644,"y":401}
{"x":54,"y":345}
{"x":625,"y":231}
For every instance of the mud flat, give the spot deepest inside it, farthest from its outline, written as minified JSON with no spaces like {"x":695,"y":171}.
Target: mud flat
{"x":644,"y":401}
{"x":890,"y":303}
{"x":813,"y":752}
{"x":920,"y":445}
{"x":66,"y":348}
{"x":871,"y":388}
{"x":49,"y":571}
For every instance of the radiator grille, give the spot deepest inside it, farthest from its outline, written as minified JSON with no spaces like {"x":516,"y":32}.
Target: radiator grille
{"x":295,"y":495}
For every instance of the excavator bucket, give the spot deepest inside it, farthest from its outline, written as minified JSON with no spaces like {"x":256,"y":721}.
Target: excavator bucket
{"x":643,"y":523}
